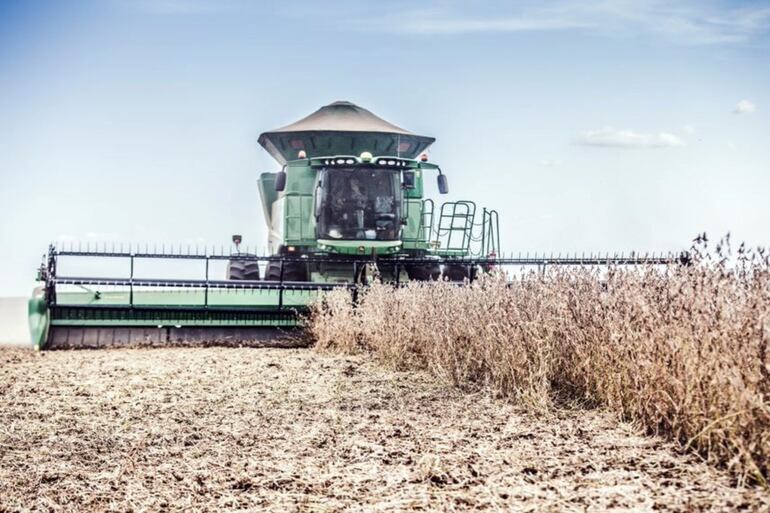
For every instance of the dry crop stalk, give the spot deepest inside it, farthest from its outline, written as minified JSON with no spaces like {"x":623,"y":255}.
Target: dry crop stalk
{"x":682,"y":350}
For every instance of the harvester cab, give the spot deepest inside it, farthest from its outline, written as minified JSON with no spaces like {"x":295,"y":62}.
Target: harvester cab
{"x":351,"y":186}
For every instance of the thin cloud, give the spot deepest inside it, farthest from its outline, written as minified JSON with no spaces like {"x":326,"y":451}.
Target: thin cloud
{"x":609,"y":137}
{"x":744,"y":107}
{"x":464,"y":26}
{"x":687,"y":21}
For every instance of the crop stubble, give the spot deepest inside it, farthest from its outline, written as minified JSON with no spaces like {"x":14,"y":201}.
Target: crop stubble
{"x":298,"y":430}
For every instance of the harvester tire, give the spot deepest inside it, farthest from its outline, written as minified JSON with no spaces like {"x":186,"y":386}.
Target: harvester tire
{"x":424,"y":272}
{"x":243,"y":270}
{"x":292,"y":271}
{"x":455,"y":272}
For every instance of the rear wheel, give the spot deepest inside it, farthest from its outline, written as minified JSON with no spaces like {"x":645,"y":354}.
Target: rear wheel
{"x":292,"y":271}
{"x":243,"y":270}
{"x":424,"y":272}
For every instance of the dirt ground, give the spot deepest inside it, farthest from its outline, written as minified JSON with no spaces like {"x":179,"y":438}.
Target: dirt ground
{"x":294,"y":430}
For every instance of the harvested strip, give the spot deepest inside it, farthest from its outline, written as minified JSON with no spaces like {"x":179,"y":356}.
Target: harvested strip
{"x":296,"y":430}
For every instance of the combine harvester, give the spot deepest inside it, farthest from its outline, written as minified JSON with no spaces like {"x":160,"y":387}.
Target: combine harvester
{"x":347,"y":205}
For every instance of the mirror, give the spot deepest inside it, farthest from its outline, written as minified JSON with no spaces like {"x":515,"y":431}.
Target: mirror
{"x":443,"y":186}
{"x":318,"y":199}
{"x":280,"y":181}
{"x":408,"y":182}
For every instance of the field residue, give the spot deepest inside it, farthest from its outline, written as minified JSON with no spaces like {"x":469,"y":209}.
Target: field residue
{"x":294,"y":430}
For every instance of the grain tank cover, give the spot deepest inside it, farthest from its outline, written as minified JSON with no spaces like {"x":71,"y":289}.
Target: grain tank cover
{"x":342,"y":128}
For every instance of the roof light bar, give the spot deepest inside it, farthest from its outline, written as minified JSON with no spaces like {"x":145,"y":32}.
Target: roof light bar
{"x":366,"y":158}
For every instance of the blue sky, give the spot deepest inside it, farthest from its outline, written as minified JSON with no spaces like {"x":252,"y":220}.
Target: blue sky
{"x":591,"y":127}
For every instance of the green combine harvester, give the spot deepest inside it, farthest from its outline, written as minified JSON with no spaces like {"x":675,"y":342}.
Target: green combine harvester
{"x":347,"y":206}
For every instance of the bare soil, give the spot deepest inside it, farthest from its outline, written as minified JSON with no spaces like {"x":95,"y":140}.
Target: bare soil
{"x":296,"y":430}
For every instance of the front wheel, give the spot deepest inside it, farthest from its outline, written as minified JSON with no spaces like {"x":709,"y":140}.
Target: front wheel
{"x":243,"y":270}
{"x":455,"y":272}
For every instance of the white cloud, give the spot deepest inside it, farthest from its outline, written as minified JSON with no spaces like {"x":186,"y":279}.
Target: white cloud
{"x":550,"y":162}
{"x":469,"y":25}
{"x":610,"y":137}
{"x":744,"y":107}
{"x":689,"y":129}
{"x":684,"y":21}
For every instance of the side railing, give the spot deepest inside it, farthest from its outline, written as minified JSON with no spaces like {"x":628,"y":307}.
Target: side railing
{"x":454,"y":232}
{"x":490,"y":234}
{"x":426,"y":219}
{"x":363,"y":270}
{"x":50,"y":274}
{"x":460,"y":234}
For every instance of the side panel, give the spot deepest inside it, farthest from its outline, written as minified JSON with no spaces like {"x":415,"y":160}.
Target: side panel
{"x":300,"y":220}
{"x":267,"y":195}
{"x":411,"y":232}
{"x":298,"y":214}
{"x":39,"y":319}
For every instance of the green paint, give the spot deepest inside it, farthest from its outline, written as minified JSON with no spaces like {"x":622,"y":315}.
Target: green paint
{"x":186,"y":297}
{"x":170,"y":320}
{"x":298,"y":217}
{"x":39,"y":320}
{"x":359,"y":247}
